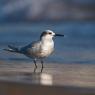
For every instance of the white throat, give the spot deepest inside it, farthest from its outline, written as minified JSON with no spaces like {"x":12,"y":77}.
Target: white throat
{"x":47,"y":38}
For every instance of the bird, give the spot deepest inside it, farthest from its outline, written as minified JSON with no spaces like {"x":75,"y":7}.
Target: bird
{"x":39,"y":49}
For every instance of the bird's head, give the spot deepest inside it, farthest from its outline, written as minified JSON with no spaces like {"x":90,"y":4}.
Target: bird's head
{"x":48,"y":34}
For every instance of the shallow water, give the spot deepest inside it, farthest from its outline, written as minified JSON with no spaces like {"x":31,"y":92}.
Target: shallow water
{"x":76,"y":47}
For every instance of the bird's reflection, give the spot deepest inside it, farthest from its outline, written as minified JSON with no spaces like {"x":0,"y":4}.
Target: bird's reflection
{"x":46,"y":79}
{"x":39,"y":78}
{"x":35,"y":77}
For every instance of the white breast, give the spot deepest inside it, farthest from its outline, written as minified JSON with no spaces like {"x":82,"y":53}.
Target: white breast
{"x":47,"y":48}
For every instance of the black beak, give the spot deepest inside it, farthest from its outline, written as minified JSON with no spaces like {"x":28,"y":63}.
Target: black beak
{"x":59,"y":35}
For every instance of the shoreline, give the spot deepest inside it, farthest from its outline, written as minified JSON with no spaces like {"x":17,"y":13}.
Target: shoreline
{"x":68,"y":79}
{"x":81,"y":75}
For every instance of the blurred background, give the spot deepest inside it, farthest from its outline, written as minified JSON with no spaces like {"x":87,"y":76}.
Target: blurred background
{"x":37,"y":10}
{"x":22,"y":21}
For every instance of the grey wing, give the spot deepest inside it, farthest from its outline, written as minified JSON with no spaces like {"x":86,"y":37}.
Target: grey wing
{"x":31,"y":49}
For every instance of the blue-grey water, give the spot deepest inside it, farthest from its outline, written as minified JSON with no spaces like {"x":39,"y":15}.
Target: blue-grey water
{"x":78,"y":45}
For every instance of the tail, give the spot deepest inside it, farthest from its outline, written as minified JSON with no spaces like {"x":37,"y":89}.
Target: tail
{"x":12,"y":49}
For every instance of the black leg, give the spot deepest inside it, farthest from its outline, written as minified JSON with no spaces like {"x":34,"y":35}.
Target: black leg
{"x":35,"y":65}
{"x":42,"y":65}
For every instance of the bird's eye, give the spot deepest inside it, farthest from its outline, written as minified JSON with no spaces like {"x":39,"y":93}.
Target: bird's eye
{"x":49,"y":33}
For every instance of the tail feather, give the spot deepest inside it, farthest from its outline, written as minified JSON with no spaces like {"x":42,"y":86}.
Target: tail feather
{"x":9,"y":50}
{"x":12,"y":49}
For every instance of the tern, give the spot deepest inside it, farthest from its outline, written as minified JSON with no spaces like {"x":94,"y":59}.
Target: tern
{"x":38,"y":49}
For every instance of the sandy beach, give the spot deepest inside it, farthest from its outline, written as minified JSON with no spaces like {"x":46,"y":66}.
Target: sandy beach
{"x":68,"y":79}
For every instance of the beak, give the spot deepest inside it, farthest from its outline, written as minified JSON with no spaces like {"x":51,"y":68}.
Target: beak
{"x":59,"y":35}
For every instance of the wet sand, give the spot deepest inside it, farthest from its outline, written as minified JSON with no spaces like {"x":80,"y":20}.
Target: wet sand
{"x":66,"y":79}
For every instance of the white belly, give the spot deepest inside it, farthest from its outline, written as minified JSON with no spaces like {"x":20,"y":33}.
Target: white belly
{"x":46,"y":51}
{"x":40,"y":51}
